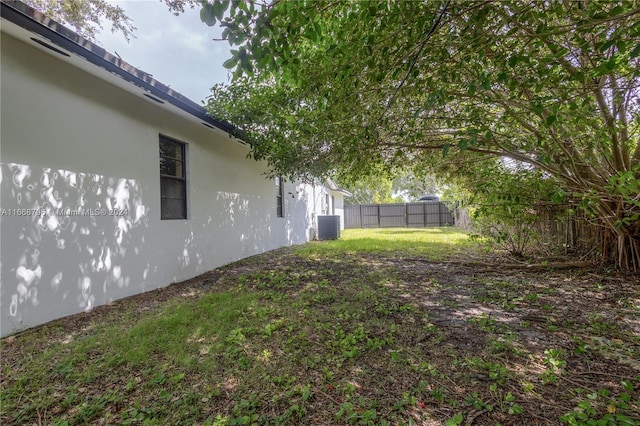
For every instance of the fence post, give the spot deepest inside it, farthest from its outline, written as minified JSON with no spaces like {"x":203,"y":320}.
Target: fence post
{"x":424,"y":215}
{"x":406,"y":215}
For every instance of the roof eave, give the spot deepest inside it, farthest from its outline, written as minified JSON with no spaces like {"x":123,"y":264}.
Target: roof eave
{"x":37,"y":23}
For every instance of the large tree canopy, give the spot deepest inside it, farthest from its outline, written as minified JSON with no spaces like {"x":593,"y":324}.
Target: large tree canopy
{"x":347,"y":87}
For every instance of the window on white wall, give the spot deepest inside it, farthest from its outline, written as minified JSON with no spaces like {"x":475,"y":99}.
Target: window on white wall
{"x":173,"y":179}
{"x":279,"y":197}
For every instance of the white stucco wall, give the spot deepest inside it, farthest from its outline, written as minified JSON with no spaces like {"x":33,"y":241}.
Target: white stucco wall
{"x":322,"y":201}
{"x":70,"y":140}
{"x":338,"y":207}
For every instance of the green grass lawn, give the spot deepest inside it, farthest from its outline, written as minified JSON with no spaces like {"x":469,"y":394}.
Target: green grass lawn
{"x":432,"y":243}
{"x":364,"y":330}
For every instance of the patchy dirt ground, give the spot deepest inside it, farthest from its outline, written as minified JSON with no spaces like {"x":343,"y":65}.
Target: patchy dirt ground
{"x":480,"y":341}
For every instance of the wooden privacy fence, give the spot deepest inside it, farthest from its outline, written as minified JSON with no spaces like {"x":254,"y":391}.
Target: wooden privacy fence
{"x":566,"y":227}
{"x":429,"y":214}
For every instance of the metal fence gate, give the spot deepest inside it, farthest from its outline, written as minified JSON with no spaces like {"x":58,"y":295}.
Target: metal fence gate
{"x":430,"y":214}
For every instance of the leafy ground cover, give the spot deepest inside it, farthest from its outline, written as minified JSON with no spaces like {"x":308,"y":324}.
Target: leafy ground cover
{"x":382,"y":327}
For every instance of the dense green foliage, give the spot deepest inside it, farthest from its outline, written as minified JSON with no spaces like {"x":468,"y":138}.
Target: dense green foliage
{"x":348,"y":87}
{"x":372,"y":190}
{"x":505,"y":206}
{"x":381,"y":189}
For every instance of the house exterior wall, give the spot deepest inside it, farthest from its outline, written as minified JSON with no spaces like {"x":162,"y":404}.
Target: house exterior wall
{"x":315,"y":195}
{"x":74,"y":144}
{"x":338,"y":207}
{"x":320,"y":200}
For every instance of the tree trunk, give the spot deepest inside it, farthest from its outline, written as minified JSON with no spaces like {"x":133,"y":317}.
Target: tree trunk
{"x":621,"y":247}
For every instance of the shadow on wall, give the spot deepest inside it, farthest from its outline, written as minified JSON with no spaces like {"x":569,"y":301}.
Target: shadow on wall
{"x":300,"y":223}
{"x":238,"y":226}
{"x":233,"y":226}
{"x":66,"y":238}
{"x":74,"y":240}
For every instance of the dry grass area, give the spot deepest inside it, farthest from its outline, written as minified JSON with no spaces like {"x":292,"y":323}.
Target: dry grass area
{"x":383,"y":327}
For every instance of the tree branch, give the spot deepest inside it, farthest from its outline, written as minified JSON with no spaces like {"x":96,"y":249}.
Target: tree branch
{"x":610,"y":124}
{"x":415,"y":59}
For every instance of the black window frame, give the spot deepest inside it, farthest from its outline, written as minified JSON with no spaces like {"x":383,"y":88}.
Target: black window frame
{"x":182,"y":178}
{"x":279,"y":196}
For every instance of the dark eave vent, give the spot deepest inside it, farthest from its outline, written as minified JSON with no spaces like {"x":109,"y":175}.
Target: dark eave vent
{"x":153,"y":98}
{"x":50,"y":47}
{"x":208,"y":125}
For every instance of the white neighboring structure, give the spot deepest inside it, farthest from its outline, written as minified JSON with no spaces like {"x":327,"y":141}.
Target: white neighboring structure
{"x":325,"y":198}
{"x":94,"y":153}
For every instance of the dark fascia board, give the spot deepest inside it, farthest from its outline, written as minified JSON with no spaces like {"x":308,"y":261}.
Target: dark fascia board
{"x":37,"y":23}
